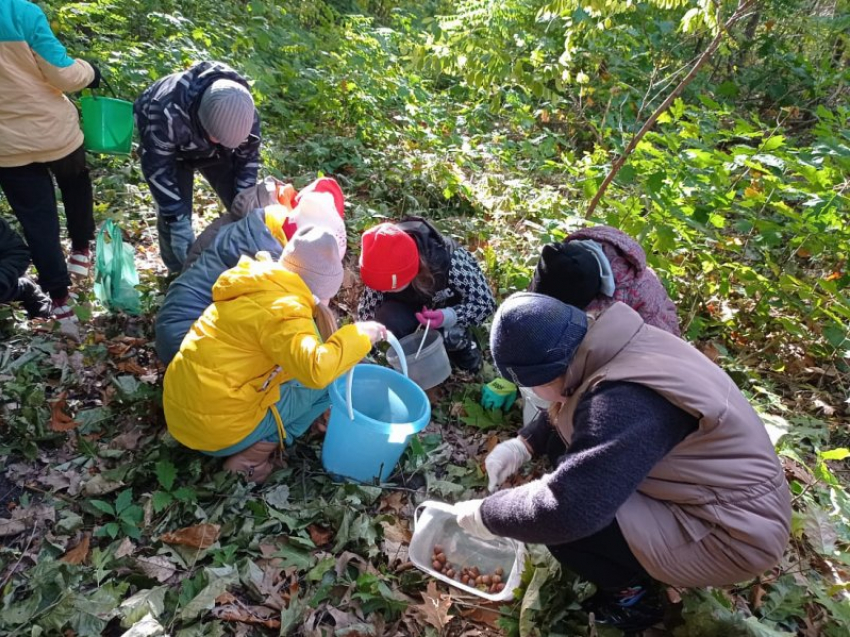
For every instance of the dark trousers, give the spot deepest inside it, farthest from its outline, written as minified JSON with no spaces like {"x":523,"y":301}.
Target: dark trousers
{"x":220,"y":172}
{"x":399,"y":318}
{"x":176,"y":237}
{"x":603,"y":558}
{"x":32,"y":197}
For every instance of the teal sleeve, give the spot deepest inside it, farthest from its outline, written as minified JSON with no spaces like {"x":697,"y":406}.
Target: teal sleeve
{"x":43,"y":42}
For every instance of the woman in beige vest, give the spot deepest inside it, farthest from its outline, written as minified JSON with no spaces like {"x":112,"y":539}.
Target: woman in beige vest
{"x":669,"y":475}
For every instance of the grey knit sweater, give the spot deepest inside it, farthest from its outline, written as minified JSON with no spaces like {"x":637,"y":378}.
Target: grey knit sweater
{"x":621,"y":431}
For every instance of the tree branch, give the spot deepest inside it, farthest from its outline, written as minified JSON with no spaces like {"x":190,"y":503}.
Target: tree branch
{"x":740,"y":12}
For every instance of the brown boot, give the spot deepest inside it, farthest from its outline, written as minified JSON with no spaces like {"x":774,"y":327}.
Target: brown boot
{"x":256,"y":462}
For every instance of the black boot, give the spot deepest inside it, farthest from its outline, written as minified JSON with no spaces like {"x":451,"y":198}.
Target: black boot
{"x":462,"y":349}
{"x":35,"y":302}
{"x":632,"y":610}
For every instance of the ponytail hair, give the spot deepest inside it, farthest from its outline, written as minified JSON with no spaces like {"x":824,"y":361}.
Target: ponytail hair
{"x":325,"y":320}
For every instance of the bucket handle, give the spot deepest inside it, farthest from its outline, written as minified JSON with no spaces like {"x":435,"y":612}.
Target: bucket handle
{"x":349,"y":381}
{"x":107,"y":85}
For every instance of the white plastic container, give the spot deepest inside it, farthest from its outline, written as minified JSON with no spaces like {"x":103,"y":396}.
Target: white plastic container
{"x":435,"y":525}
{"x":432,"y":367}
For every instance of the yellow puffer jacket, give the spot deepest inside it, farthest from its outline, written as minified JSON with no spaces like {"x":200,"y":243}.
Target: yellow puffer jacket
{"x":258,"y":334}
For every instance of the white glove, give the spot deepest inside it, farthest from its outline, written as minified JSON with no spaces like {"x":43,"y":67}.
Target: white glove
{"x":468,"y":514}
{"x":504,"y":461}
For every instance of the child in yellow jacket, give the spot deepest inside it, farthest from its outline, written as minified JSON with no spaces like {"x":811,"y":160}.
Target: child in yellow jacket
{"x":253,"y":371}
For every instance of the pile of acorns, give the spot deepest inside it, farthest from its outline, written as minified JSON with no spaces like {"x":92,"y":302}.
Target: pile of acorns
{"x":469,"y":576}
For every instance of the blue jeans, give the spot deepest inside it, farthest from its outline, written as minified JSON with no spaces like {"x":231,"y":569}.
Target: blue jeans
{"x":175,"y":238}
{"x":298,"y":407}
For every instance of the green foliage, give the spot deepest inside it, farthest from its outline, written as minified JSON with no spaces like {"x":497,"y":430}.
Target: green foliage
{"x":498,"y":120}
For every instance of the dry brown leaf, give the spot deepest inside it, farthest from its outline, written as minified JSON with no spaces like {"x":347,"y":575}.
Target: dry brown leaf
{"x":255,"y":615}
{"x":131,"y":367}
{"x":320,"y":535}
{"x":796,"y":471}
{"x":80,"y":553}
{"x":396,"y":539}
{"x":157,"y":567}
{"x":757,"y":594}
{"x":710,"y":351}
{"x":226,"y":598}
{"x":483,"y":615}
{"x":199,"y":536}
{"x":393,"y":502}
{"x":125,"y":548}
{"x":434,"y":609}
{"x":24,"y":518}
{"x":128,"y":441}
{"x":59,"y":420}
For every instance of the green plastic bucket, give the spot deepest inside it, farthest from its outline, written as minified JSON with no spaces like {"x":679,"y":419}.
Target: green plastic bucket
{"x":107,"y":125}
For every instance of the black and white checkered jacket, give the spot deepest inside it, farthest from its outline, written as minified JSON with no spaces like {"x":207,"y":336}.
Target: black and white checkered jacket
{"x":465,"y":281}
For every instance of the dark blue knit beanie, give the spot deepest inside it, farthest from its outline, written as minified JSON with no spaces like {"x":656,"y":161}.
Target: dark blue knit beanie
{"x":534,"y":338}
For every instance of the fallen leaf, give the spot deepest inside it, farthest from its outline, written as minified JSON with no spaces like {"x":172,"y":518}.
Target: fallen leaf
{"x":396,"y":539}
{"x":59,"y":420}
{"x":125,"y":548}
{"x":483,"y":615}
{"x":320,"y":535}
{"x":129,"y":440}
{"x":23,"y":519}
{"x":393,"y":502}
{"x":226,"y":598}
{"x":131,"y":367}
{"x":434,"y":609}
{"x":256,"y":615}
{"x":199,"y":536}
{"x":795,"y":471}
{"x":99,"y":485}
{"x":80,"y":553}
{"x":157,"y":567}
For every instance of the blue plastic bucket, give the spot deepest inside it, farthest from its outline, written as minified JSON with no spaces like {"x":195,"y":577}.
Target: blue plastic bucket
{"x":387,"y":408}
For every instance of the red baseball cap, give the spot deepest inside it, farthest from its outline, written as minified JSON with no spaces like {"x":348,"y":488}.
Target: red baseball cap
{"x":389,"y":258}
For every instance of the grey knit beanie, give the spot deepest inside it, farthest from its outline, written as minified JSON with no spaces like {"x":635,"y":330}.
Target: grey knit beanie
{"x":312,"y":254}
{"x":534,"y":338}
{"x":226,"y":111}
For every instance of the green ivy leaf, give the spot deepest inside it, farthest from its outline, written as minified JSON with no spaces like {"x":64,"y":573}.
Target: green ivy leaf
{"x":161,"y":500}
{"x":102,"y":506}
{"x":124,"y":499}
{"x":166,"y":472}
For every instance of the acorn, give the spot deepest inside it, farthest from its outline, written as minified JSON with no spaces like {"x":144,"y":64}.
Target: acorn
{"x":437,"y":566}
{"x":500,"y":587}
{"x":499,"y":571}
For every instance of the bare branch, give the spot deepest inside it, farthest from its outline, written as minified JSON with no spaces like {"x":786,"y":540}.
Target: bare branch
{"x":740,"y":12}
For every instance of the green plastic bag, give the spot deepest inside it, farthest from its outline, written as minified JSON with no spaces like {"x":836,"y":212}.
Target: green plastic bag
{"x":116,"y":278}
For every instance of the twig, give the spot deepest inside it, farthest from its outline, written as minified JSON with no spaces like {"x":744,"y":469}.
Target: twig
{"x":740,"y":12}
{"x":20,"y":559}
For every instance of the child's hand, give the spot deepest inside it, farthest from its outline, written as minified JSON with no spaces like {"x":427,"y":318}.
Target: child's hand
{"x":437,"y":318}
{"x":373,"y":330}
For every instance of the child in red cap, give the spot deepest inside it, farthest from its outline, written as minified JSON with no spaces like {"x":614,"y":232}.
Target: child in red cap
{"x":415,"y":276}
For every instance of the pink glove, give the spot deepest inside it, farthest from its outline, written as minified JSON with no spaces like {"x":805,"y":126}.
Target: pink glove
{"x":436,"y":317}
